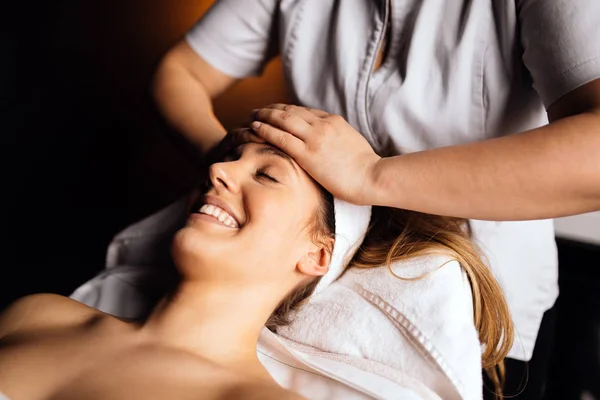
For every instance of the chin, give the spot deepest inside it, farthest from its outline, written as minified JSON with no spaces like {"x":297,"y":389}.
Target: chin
{"x":188,"y":246}
{"x":194,"y":251}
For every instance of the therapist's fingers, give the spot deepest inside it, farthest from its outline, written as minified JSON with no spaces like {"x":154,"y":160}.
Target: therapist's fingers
{"x":283,"y":140}
{"x":302,"y":112}
{"x":285,"y":120}
{"x":245,"y":135}
{"x":232,"y":140}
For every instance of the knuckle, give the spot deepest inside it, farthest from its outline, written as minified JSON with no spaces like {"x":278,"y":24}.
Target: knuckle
{"x":326,"y":125}
{"x":281,"y":141}
{"x":290,"y":107}
{"x":322,"y":123}
{"x":286,"y":116}
{"x":318,"y":142}
{"x":334,"y":118}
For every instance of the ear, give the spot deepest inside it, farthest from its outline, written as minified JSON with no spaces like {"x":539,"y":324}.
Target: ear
{"x":315,"y":263}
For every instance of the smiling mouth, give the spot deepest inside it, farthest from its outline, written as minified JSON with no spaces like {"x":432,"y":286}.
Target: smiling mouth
{"x":222,"y":216}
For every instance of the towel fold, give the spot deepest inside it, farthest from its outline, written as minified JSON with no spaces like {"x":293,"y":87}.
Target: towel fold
{"x":351,"y":224}
{"x":423,"y":328}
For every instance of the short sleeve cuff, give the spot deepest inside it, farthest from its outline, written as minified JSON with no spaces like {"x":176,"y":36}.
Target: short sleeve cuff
{"x":216,"y":55}
{"x":570,"y":79}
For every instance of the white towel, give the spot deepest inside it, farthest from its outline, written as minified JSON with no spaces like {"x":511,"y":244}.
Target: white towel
{"x":422,"y":328}
{"x":351,"y":224}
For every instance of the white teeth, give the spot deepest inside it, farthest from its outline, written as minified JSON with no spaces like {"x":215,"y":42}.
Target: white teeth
{"x":219,"y":214}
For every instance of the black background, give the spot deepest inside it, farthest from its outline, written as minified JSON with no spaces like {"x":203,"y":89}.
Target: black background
{"x":84,"y":151}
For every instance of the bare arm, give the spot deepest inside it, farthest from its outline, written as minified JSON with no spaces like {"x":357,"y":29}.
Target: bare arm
{"x":184,"y":88}
{"x":547,"y":172}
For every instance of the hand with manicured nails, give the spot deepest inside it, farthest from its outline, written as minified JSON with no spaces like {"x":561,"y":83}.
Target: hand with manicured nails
{"x":324,"y":145}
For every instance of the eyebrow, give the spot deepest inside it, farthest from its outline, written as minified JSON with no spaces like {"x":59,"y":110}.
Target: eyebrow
{"x":269,"y":150}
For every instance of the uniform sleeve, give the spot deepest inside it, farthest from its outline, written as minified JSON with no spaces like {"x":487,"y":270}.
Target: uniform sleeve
{"x":561,"y":41}
{"x":236,"y":36}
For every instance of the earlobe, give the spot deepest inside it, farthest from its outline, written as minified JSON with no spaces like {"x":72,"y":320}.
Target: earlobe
{"x":315,"y":263}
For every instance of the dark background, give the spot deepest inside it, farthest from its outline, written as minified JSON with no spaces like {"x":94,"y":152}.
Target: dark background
{"x":85,"y":153}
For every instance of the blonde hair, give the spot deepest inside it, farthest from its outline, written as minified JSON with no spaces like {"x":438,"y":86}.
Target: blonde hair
{"x":395,"y":235}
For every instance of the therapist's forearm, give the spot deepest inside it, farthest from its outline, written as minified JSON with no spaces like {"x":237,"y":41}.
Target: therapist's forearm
{"x":547,"y":172}
{"x":187,"y":106}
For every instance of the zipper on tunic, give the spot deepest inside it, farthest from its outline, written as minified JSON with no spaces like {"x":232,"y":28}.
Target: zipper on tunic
{"x":386,"y":17}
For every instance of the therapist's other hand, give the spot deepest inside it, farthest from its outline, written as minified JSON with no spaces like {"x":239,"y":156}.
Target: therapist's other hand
{"x":324,"y":145}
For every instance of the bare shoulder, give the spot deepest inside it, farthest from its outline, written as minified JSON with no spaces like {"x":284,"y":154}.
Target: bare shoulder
{"x":260,"y":391}
{"x":42,"y":310}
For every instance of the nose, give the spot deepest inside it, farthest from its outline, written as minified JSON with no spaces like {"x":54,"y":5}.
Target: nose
{"x":222,"y":177}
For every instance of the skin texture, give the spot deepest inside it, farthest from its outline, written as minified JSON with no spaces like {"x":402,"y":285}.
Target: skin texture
{"x":200,"y":341}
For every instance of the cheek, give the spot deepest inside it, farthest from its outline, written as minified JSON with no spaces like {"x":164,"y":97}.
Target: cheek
{"x":275,"y":234}
{"x":281,"y":221}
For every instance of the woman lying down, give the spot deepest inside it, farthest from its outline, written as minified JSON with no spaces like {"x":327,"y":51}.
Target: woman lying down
{"x":253,"y":252}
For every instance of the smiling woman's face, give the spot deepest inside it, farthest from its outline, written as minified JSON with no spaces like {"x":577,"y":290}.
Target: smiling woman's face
{"x":254,"y":221}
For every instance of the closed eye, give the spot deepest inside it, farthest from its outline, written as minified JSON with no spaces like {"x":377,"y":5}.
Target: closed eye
{"x":262,"y":174}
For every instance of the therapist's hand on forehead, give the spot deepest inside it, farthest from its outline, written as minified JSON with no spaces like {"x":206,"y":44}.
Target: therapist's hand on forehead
{"x":531,"y":172}
{"x":324,"y":145}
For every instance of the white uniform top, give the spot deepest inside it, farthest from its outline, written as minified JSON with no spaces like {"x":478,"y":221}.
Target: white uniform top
{"x":456,"y":71}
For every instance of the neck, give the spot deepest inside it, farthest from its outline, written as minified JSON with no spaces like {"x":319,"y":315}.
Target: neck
{"x":218,"y":322}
